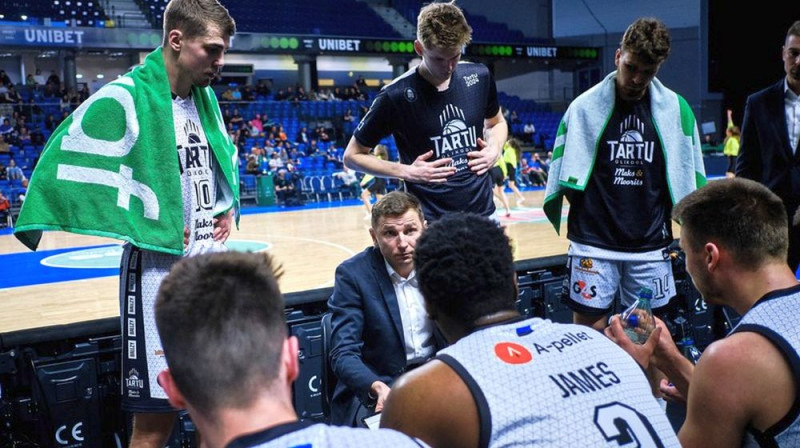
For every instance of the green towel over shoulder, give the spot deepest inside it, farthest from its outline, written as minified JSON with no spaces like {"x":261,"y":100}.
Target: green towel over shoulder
{"x":111,"y":168}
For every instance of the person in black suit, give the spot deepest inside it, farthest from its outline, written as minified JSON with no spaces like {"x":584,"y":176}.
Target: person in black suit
{"x":768,"y":153}
{"x":379,"y":326}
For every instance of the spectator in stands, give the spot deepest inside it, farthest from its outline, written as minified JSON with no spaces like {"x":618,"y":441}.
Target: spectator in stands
{"x":248,"y":94}
{"x":302,"y":136}
{"x":3,"y":172}
{"x":39,"y":78}
{"x":54,"y":80}
{"x":545,"y":161}
{"x":330,"y":157}
{"x":50,"y":123}
{"x":313,"y":149}
{"x":64,"y":104}
{"x":236,"y":119}
{"x":281,"y":135}
{"x":202,"y":322}
{"x":30,"y":82}
{"x":227,"y":95}
{"x":743,"y":390}
{"x":529,"y":130}
{"x":502,"y":381}
{"x":22,"y":190}
{"x":295,"y":176}
{"x":14,"y":172}
{"x":74,"y":99}
{"x":83,"y":94}
{"x":348,"y":116}
{"x":226,"y":115}
{"x":262,"y":89}
{"x":252,"y":166}
{"x":281,"y":95}
{"x":514,"y":117}
{"x":324,"y":136}
{"x":6,"y":129}
{"x":5,"y":206}
{"x":285,"y":189}
{"x":64,"y":115}
{"x":236,"y":95}
{"x":379,"y":327}
{"x":256,"y":126}
{"x":275,"y":162}
{"x":524,"y":169}
{"x":361,"y":83}
{"x":534,"y":172}
{"x":4,"y":79}
{"x":32,"y":109}
{"x":24,"y":136}
{"x":280,"y":149}
{"x":453,"y":175}
{"x":337,"y":94}
{"x":620,"y":205}
{"x":324,"y":95}
{"x":301,"y":94}
{"x":5,"y":148}
{"x":351,"y":182}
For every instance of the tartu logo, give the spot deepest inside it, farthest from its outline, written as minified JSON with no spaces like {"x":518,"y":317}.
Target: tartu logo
{"x":471,"y":80}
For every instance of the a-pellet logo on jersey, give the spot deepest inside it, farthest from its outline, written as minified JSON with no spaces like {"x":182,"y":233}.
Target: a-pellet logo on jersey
{"x":630,"y":152}
{"x":457,"y":138}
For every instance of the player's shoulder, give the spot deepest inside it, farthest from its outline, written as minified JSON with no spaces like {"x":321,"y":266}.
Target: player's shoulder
{"x":468,"y":67}
{"x":408,"y":79}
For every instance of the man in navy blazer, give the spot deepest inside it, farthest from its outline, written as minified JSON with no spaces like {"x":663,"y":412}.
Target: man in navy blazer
{"x":769,"y":141}
{"x":376,"y":335}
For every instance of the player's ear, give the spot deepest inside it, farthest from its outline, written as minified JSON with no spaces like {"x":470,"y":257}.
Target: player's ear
{"x":418,"y":47}
{"x":175,"y":40}
{"x":174,"y":395}
{"x":290,"y":359}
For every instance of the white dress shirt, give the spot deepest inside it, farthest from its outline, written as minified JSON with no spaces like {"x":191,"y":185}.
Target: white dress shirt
{"x":417,"y":328}
{"x":791,"y":105}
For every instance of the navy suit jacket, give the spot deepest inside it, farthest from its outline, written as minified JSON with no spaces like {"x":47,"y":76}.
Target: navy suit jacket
{"x":765,"y":154}
{"x":367,"y":342}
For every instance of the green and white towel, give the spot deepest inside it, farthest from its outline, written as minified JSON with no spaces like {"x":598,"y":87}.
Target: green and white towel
{"x":111,"y":168}
{"x":582,"y":126}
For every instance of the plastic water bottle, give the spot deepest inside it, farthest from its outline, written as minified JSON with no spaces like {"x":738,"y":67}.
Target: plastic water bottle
{"x":690,"y":351}
{"x":637,"y":320}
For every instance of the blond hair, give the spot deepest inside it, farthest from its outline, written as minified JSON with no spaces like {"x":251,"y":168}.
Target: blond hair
{"x":443,"y":25}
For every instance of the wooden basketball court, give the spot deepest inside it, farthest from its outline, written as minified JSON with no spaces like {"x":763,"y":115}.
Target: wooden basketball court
{"x":309,"y":243}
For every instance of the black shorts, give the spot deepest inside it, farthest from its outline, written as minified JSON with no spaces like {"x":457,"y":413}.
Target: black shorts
{"x":497,"y":176}
{"x":377,"y":186}
{"x":511,"y":172}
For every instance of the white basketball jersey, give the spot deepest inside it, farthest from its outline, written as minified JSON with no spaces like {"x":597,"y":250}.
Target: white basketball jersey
{"x":775,"y":318}
{"x":538,"y":383}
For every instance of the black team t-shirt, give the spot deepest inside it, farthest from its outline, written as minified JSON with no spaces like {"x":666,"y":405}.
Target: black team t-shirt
{"x":449,"y":122}
{"x":626,"y":205}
